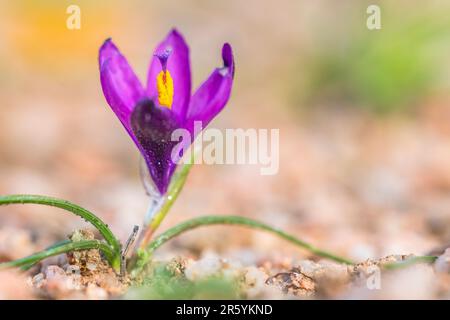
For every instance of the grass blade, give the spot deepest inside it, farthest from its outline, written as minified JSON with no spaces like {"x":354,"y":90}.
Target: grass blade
{"x":68,"y":206}
{"x":57,"y":249}
{"x":144,"y":255}
{"x":113,"y":242}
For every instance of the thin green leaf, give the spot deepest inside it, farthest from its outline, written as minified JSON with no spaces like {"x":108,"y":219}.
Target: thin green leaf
{"x":71,"y":207}
{"x":57,"y":249}
{"x":144,"y":255}
{"x":409,"y":262}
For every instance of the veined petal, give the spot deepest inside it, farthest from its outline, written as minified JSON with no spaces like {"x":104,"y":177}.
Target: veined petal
{"x":177,"y":64}
{"x":152,"y":126}
{"x":213,"y":94}
{"x":121,"y":88}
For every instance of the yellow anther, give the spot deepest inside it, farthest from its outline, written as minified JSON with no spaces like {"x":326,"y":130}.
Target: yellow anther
{"x":164,"y":85}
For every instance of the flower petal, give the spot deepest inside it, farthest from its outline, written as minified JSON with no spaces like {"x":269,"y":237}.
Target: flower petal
{"x":211,"y":97}
{"x":121,"y":88}
{"x":153,"y":126}
{"x":179,"y":69}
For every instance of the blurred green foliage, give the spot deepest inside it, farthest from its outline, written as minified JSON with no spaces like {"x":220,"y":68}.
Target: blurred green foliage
{"x":382,"y":70}
{"x":164,"y":284}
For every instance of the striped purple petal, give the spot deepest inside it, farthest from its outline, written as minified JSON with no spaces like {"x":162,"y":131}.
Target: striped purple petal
{"x":121,"y":88}
{"x":177,"y":63}
{"x":212,"y":96}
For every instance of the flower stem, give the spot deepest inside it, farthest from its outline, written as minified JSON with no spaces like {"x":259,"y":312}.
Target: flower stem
{"x":63,"y":247}
{"x":174,"y":190}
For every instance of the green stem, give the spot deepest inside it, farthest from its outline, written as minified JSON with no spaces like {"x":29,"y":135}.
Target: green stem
{"x":144,"y":255}
{"x":174,"y":190}
{"x":409,"y":261}
{"x":64,"y":247}
{"x":173,"y":194}
{"x":66,"y":205}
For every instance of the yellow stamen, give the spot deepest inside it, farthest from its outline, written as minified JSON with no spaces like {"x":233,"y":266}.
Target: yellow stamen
{"x":164,"y":85}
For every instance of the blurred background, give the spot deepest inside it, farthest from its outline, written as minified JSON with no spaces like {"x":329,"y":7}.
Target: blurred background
{"x":363,"y":115}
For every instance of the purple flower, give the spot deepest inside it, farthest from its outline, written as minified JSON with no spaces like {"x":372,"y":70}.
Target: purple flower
{"x":151,"y":114}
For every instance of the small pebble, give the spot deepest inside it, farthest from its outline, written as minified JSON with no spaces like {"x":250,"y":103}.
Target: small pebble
{"x":53,"y":272}
{"x":38,"y":280}
{"x":72,"y":269}
{"x":91,"y":266}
